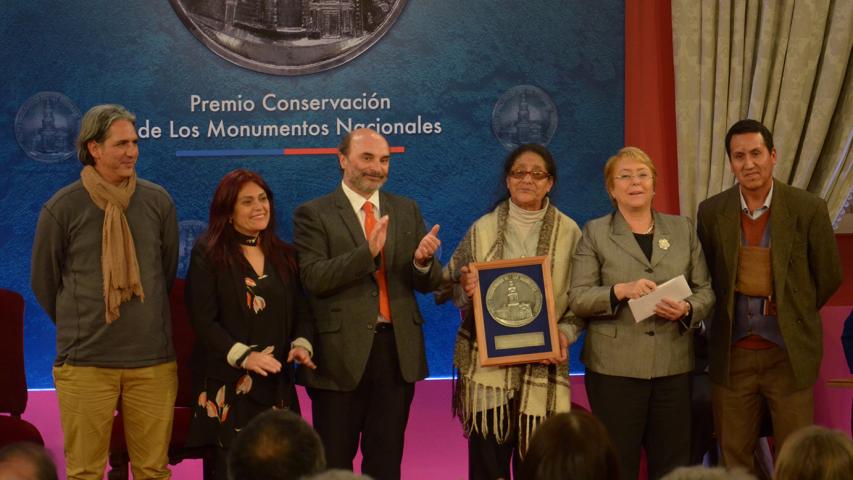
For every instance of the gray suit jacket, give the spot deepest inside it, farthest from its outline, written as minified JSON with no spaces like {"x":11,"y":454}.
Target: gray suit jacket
{"x":609,"y":254}
{"x":806,"y":271}
{"x":338,"y":273}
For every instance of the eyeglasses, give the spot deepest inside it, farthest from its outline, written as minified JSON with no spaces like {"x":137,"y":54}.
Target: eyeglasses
{"x":642,"y":177}
{"x":534,"y":174}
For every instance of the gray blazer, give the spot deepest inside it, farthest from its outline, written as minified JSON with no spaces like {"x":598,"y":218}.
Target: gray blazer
{"x":338,"y":274}
{"x":608,"y":254}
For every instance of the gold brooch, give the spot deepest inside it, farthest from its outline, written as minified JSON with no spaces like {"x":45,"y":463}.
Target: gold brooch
{"x":663,"y":244}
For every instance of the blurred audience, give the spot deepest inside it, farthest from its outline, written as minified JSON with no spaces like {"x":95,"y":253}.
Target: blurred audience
{"x":815,"y":453}
{"x":573,"y":445}
{"x":276,"y":445}
{"x":26,"y":461}
{"x":698,"y":472}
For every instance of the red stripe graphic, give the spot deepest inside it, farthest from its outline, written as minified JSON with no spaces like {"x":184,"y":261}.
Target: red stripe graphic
{"x":327,"y":151}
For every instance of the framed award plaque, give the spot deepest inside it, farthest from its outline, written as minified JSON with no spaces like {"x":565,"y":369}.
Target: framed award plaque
{"x":514,"y":311}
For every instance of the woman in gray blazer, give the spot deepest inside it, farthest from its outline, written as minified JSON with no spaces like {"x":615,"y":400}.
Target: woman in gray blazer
{"x":637,"y":372}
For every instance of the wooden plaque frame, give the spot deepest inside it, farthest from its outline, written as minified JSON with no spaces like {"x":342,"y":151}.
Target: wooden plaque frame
{"x":537,"y":331}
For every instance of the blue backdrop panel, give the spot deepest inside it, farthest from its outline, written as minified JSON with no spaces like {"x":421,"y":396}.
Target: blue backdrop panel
{"x":454,"y":65}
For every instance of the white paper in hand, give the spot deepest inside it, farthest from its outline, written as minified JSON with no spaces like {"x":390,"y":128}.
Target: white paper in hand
{"x":674,"y":289}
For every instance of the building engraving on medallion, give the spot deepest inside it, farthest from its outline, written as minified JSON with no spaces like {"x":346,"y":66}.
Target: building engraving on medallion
{"x":524,"y":114}
{"x":288,"y":37}
{"x":513,"y":299}
{"x":46,"y":127}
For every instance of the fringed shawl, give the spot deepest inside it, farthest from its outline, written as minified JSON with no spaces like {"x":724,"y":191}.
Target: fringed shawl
{"x":538,"y":391}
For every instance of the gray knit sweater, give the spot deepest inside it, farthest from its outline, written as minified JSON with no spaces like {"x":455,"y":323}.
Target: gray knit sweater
{"x":68,"y":283}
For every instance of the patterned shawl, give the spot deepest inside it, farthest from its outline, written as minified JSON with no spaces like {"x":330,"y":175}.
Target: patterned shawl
{"x":539,"y":391}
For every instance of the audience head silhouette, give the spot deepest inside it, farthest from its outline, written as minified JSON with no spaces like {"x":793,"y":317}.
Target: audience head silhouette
{"x":700,"y":472}
{"x":570,"y":446}
{"x":26,"y":461}
{"x":815,"y":453}
{"x":276,"y":445}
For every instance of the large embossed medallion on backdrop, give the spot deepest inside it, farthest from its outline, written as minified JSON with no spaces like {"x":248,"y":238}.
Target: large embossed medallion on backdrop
{"x":288,"y":37}
{"x":46,"y":127}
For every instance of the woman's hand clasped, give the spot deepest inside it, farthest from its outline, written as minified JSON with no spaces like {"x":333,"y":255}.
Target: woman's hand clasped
{"x":262,"y":363}
{"x":672,"y":309}
{"x":302,"y":356}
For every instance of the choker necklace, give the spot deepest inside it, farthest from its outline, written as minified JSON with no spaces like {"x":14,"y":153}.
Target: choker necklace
{"x":247,"y":240}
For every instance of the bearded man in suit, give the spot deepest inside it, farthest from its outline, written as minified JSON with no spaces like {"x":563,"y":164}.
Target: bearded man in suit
{"x":774,"y":263}
{"x":362,"y":253}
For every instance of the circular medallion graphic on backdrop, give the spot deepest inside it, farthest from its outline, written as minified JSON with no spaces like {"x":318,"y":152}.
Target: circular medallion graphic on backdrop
{"x":524,"y":114}
{"x":288,"y":37}
{"x":189,"y":232}
{"x":46,"y":127}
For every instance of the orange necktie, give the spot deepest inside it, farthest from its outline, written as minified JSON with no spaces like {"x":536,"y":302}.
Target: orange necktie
{"x":369,"y":224}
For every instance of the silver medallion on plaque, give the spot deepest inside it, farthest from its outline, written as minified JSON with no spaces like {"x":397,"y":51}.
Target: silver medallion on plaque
{"x":514,"y":300}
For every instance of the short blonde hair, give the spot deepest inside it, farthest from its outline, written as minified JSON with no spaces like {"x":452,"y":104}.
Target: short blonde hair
{"x":815,"y":452}
{"x":628,"y":152}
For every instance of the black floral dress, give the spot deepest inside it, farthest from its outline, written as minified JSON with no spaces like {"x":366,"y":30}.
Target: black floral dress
{"x":226,"y":406}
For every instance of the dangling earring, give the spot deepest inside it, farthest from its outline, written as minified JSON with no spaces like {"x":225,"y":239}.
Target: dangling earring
{"x":231,"y":220}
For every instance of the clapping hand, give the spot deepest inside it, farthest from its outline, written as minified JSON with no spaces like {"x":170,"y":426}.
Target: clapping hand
{"x":376,"y":240}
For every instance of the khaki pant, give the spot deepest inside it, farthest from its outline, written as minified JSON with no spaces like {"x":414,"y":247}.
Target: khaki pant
{"x":757,"y":374}
{"x":88,"y":397}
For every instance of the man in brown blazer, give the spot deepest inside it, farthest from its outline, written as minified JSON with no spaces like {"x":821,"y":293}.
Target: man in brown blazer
{"x":362,"y":253}
{"x":774,"y":263}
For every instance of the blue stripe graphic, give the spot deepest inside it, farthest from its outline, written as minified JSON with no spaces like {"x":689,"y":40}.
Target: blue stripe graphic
{"x":254,"y":152}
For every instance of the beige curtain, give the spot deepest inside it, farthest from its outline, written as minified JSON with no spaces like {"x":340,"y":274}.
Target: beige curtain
{"x":783,"y":62}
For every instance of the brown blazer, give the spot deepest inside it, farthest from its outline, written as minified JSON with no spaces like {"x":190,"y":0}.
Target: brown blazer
{"x":806,"y":271}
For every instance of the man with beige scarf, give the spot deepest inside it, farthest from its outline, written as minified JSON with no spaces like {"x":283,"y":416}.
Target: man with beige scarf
{"x":105,"y":254}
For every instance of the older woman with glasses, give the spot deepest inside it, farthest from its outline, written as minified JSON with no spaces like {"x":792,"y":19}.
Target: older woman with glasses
{"x":637,"y":371}
{"x":500,"y":407}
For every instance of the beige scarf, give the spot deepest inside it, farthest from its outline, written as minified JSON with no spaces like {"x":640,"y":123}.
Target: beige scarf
{"x":540,"y":390}
{"x":118,"y":253}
